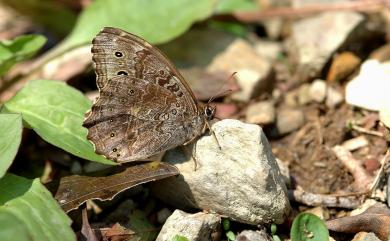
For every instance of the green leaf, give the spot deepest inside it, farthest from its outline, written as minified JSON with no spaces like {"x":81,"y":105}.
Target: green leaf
{"x":179,"y":238}
{"x":18,"y":49}
{"x":228,"y":6}
{"x":29,"y":213}
{"x":141,"y":226}
{"x":276,"y":238}
{"x":11,"y":135}
{"x":56,"y":111}
{"x":274,"y":228}
{"x":307,"y":226}
{"x":157,"y":21}
{"x":226,"y":224}
{"x":230,"y":235}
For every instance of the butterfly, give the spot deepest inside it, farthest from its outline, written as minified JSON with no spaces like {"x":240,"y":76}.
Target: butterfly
{"x":144,"y":106}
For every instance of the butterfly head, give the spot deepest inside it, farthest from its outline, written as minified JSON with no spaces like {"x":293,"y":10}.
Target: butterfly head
{"x":209,"y":112}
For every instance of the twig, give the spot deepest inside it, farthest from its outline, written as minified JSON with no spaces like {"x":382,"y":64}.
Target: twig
{"x":290,"y":12}
{"x":379,"y":175}
{"x":312,"y":199}
{"x":366,"y":131}
{"x":362,"y":179}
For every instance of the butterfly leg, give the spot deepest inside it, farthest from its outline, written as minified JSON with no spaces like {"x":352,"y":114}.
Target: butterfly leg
{"x":213,"y":134}
{"x":189,"y":153}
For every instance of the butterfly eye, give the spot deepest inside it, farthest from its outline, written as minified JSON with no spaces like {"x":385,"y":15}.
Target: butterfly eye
{"x":112,"y":134}
{"x":118,"y":54}
{"x":114,"y":149}
{"x":122,"y":73}
{"x":209,"y":112}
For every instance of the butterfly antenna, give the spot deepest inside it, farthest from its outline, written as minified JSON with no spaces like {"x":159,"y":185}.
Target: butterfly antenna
{"x":222,"y":93}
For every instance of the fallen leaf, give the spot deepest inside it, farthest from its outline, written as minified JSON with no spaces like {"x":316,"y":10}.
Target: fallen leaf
{"x":375,"y":219}
{"x":86,"y":229}
{"x":116,"y":233}
{"x":75,"y":190}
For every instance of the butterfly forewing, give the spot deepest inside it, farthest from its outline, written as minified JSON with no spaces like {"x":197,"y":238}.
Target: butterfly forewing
{"x":144,"y":105}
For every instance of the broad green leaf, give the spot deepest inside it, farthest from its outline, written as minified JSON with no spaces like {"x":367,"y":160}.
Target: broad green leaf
{"x":307,"y":226}
{"x":179,"y":238}
{"x":18,"y":49}
{"x":56,"y":111}
{"x":29,"y":213}
{"x":228,"y":6}
{"x":11,"y":135}
{"x":157,"y":21}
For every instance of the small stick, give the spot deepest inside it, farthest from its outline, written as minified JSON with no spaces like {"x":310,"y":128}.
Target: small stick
{"x":366,"y":131}
{"x":312,"y":199}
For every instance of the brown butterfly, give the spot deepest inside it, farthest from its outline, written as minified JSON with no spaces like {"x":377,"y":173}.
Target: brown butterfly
{"x":145,"y":106}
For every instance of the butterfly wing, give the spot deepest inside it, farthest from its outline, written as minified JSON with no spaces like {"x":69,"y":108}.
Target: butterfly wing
{"x":144,"y":106}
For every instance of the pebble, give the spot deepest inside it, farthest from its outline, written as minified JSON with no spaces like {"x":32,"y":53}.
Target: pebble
{"x":194,"y":227}
{"x":317,"y":91}
{"x":251,"y":235}
{"x":289,"y":120}
{"x":262,"y":113}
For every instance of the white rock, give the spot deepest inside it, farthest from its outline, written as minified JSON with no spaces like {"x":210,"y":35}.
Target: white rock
{"x":195,"y":227}
{"x":269,"y":50}
{"x":315,"y":39}
{"x":253,"y":71}
{"x":384,"y":116}
{"x":241,"y":181}
{"x":261,"y":113}
{"x":317,"y":91}
{"x":370,"y":89}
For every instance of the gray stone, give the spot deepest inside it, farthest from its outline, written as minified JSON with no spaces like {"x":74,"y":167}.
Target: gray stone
{"x":261,"y":113}
{"x":289,"y":120}
{"x":364,"y":236}
{"x":315,"y":39}
{"x":253,"y":72}
{"x":241,"y":180}
{"x":317,"y":91}
{"x":195,"y":227}
{"x":251,"y":235}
